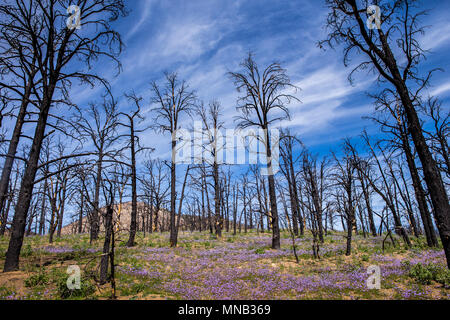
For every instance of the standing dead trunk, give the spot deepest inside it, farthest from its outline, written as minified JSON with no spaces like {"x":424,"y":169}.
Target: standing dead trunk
{"x":62,"y":208}
{"x":95,"y":214}
{"x":80,"y":216}
{"x":14,"y":142}
{"x":347,"y":25}
{"x":106,"y":245}
{"x":173,"y":179}
{"x":365,"y":191}
{"x":133,"y":224}
{"x":26,"y":188}
{"x":420,"y":196}
{"x":5,"y":212}
{"x":276,"y":241}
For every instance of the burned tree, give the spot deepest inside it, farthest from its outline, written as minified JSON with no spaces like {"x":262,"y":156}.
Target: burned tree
{"x":263,"y":94}
{"x":172,"y":101}
{"x":57,"y":47}
{"x":133,"y":144}
{"x":212,"y":148}
{"x":287,"y":154}
{"x":393,"y":53}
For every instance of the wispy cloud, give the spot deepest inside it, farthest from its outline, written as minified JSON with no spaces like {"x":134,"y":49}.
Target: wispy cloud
{"x":145,"y":15}
{"x":441,"y":89}
{"x":203,"y":40}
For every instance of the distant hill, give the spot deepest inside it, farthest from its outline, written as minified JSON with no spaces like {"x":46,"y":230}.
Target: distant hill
{"x":124,"y":219}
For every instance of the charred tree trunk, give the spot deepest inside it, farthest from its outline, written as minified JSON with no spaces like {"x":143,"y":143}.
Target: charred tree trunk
{"x":217,"y":217}
{"x":61,"y":213}
{"x":106,"y":245}
{"x":12,"y":149}
{"x":27,"y":185}
{"x":366,"y":195}
{"x":133,"y":224}
{"x":420,"y":196}
{"x":95,"y":215}
{"x":80,"y":216}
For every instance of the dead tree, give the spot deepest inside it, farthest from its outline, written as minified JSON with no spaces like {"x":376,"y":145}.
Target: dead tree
{"x":99,"y":126}
{"x":155,"y":188}
{"x":212,"y":148}
{"x":172,"y":101}
{"x":263,"y":94}
{"x":57,"y":47}
{"x":367,"y":195}
{"x":344,"y":175}
{"x":394,"y":54}
{"x":133,"y":144}
{"x":287,"y":150}
{"x":439,"y":134}
{"x":314,"y":177}
{"x":19,"y":62}
{"x":397,"y":128}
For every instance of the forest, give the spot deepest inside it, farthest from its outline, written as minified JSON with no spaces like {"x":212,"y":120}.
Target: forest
{"x":147,"y":188}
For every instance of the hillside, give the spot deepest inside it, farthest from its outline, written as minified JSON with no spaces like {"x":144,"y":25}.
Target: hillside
{"x":124,"y":219}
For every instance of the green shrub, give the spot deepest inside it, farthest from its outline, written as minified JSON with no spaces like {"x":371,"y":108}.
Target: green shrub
{"x":425,"y":274}
{"x":6,"y":293}
{"x":36,"y":280}
{"x":187,"y":245}
{"x":260,"y":251}
{"x":421,"y":274}
{"x":27,"y":251}
{"x":87,"y":288}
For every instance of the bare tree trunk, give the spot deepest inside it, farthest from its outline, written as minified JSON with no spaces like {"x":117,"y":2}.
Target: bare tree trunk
{"x":80,"y":217}
{"x":235,"y":209}
{"x":431,"y":173}
{"x":26,"y":189}
{"x":42,"y":218}
{"x":272,"y":195}
{"x":217,"y":217}
{"x":61,"y":213}
{"x":420,"y":197}
{"x":180,"y":204}
{"x":106,"y":245}
{"x":173,"y":227}
{"x":5,"y":212}
{"x":95,"y":215}
{"x":12,"y":149}
{"x":133,"y":224}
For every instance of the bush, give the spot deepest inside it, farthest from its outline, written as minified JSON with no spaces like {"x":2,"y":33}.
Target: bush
{"x":86,"y":290}
{"x":426,"y":274}
{"x":36,"y":280}
{"x":27,"y":251}
{"x":207,"y":245}
{"x":260,"y":251}
{"x":6,"y":293}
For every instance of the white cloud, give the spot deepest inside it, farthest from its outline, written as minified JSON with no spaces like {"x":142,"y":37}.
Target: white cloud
{"x":143,"y":19}
{"x":443,"y":88}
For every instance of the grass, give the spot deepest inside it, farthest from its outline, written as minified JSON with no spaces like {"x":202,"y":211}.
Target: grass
{"x":241,"y":266}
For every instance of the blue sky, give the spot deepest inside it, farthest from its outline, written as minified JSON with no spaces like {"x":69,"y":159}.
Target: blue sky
{"x":203,"y":39}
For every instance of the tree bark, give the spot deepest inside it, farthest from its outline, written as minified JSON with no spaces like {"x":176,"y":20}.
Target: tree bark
{"x":27,"y":185}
